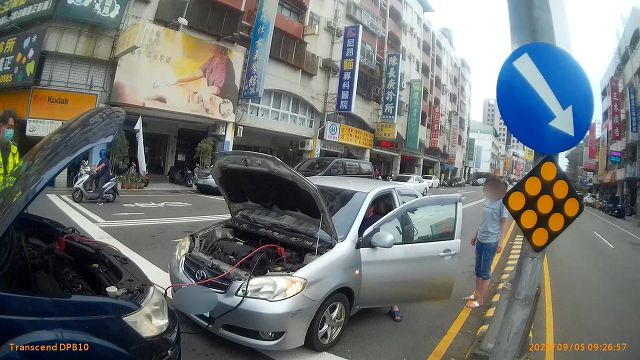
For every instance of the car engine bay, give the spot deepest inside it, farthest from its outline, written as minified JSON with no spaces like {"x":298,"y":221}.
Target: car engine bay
{"x":42,"y":258}
{"x":222,"y":247}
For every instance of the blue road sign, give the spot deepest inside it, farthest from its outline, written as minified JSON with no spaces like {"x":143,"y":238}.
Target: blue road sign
{"x":545,"y":98}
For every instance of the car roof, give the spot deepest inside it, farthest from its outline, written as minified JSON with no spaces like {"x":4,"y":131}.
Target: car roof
{"x":352,"y":183}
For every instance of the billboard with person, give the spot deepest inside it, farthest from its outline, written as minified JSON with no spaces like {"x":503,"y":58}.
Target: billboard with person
{"x":174,"y":71}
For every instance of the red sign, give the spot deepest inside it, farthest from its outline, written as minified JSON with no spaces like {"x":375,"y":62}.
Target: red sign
{"x":592,"y":142}
{"x":615,"y":111}
{"x":435,"y":126}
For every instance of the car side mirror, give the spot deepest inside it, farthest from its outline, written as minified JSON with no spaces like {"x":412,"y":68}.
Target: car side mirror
{"x":382,"y":239}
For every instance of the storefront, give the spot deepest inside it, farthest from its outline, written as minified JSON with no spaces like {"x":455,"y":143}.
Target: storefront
{"x":345,"y":141}
{"x":286,"y":147}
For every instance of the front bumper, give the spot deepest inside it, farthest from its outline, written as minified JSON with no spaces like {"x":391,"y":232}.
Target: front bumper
{"x":289,"y":319}
{"x":165,"y":346}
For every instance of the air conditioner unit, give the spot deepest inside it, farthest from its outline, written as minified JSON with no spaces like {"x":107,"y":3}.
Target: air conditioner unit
{"x":331,"y":25}
{"x":329,"y":64}
{"x":305,"y":145}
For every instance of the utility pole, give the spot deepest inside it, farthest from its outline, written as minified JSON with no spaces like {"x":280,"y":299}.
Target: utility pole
{"x":530,"y":21}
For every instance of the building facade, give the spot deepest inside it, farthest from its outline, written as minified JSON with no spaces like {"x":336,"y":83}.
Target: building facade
{"x":485,"y":157}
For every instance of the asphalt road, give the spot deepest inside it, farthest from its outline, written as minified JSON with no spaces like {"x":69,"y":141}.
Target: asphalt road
{"x":150,"y":223}
{"x":595,"y":286}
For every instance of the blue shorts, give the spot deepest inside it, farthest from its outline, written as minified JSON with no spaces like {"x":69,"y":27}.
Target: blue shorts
{"x":484,"y":257}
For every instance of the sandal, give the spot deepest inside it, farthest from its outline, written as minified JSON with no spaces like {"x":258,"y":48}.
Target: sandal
{"x":473,"y":304}
{"x":396,"y":315}
{"x":471,"y":297}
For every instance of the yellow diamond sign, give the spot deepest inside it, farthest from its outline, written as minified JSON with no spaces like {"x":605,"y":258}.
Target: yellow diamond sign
{"x":543,"y":203}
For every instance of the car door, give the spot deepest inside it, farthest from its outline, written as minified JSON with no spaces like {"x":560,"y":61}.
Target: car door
{"x":419,"y":184}
{"x":422,"y":262}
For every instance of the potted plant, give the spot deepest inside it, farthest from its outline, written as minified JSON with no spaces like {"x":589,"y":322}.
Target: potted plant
{"x":205,"y":150}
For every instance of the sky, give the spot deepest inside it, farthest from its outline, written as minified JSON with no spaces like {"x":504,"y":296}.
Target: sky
{"x":481,"y":36}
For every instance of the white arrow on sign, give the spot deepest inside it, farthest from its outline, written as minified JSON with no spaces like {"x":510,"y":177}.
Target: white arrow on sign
{"x":563,"y":117}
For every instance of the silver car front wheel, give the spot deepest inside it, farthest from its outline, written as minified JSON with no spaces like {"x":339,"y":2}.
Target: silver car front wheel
{"x":328,"y":324}
{"x":331,"y":323}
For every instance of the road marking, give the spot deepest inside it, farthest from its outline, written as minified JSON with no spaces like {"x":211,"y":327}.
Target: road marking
{"x":162,"y":195}
{"x":603,"y":239}
{"x":212,"y":197}
{"x":605,"y":220}
{"x":548,"y":309}
{"x":442,"y":347}
{"x":155,"y":274}
{"x":301,"y":353}
{"x":124,"y":214}
{"x":81,"y":208}
{"x":161,"y":221}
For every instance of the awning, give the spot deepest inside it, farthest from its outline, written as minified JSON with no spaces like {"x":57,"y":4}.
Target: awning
{"x":384,"y":152}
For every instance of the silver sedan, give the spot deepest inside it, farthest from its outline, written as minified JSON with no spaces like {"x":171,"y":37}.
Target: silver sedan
{"x":302,"y":255}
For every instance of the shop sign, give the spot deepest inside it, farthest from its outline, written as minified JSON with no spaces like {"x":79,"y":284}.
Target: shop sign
{"x":15,"y":100}
{"x":59,"y":105}
{"x":331,"y":146}
{"x":592,"y":142}
{"x":130,"y":39}
{"x":471,"y":146}
{"x":453,"y":139}
{"x":349,"y":65}
{"x":39,"y":127}
{"x":19,"y":55}
{"x":170,"y":59}
{"x":615,"y":111}
{"x":413,"y":120}
{"x":615,"y":157}
{"x":332,"y":131}
{"x":353,"y":136}
{"x":391,"y":87}
{"x":105,"y":13}
{"x":435,"y":127}
{"x":18,"y":12}
{"x":633,"y":111}
{"x":529,"y":154}
{"x":386,"y":131}
{"x":253,"y":85}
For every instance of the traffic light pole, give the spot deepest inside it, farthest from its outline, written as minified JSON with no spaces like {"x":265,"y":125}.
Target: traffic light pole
{"x":530,"y":21}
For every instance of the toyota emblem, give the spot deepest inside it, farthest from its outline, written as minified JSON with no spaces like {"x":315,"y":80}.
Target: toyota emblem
{"x":201,"y":274}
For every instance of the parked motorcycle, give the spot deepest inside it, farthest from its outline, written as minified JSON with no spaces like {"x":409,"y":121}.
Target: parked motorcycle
{"x":181,"y":175}
{"x":83,"y":189}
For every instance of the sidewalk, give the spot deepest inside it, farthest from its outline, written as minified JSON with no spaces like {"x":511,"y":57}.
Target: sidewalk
{"x":167,"y":187}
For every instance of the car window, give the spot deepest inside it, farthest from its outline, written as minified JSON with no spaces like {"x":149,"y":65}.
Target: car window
{"x":344,"y":206}
{"x":352,"y":168}
{"x":406,"y":195}
{"x":366,"y":168}
{"x":418,"y":179}
{"x":402,"y":178}
{"x":314,"y":165}
{"x":382,"y":205}
{"x":422,"y":224}
{"x":337,"y":168}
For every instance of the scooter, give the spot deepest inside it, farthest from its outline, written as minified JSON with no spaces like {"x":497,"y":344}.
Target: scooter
{"x":84,"y":169}
{"x":83,"y":189}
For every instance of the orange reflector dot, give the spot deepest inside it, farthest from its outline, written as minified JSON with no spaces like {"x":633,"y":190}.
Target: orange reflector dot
{"x":556,"y":222}
{"x":540,"y":237}
{"x":528,"y":219}
{"x":533,"y":186}
{"x":548,"y":171}
{"x":560,"y":189}
{"x":516,"y":201}
{"x":571,"y":207}
{"x":545,"y":204}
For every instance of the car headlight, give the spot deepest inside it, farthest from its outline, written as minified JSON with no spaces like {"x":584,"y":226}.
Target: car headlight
{"x":272,"y":288}
{"x":152,"y":318}
{"x":182,"y":249}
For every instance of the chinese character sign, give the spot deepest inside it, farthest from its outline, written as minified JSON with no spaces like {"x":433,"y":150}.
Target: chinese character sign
{"x":386,"y":131}
{"x":435,"y":127}
{"x":391,"y":87}
{"x":19,"y":12}
{"x":453,"y":139}
{"x":349,"y":65}
{"x":615,"y":111}
{"x":529,"y":154}
{"x":633,"y":110}
{"x":19,"y":55}
{"x":354,"y":136}
{"x":413,"y":121}
{"x":259,"y":49}
{"x":592,"y":142}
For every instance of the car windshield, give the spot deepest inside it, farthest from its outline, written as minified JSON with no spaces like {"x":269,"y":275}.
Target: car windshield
{"x":402,"y":178}
{"x":343,"y":205}
{"x":314,"y":165}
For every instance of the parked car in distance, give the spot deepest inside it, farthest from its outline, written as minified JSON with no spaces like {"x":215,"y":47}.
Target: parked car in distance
{"x":431,"y":180}
{"x":479,"y":181}
{"x":305,"y":290}
{"x":589,"y":200}
{"x":60,"y":287}
{"x":414,"y":181}
{"x":459,"y":182}
{"x":330,"y":166}
{"x":204,"y":181}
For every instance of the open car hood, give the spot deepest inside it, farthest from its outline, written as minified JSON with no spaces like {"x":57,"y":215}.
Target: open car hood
{"x":51,"y":155}
{"x":249,"y":180}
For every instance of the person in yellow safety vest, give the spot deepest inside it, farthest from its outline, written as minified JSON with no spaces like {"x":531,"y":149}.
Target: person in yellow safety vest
{"x":9,"y":157}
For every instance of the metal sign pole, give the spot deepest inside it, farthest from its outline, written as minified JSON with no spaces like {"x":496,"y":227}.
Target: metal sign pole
{"x":530,"y":21}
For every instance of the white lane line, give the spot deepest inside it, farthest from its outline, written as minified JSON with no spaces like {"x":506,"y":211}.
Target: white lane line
{"x":155,"y":274}
{"x":605,"y":220}
{"x":125,"y":214}
{"x":93,"y":216}
{"x":603,"y":239}
{"x":161,"y":277}
{"x":163,"y":221}
{"x":473,"y":203}
{"x":212,"y":197}
{"x":162,"y":195}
